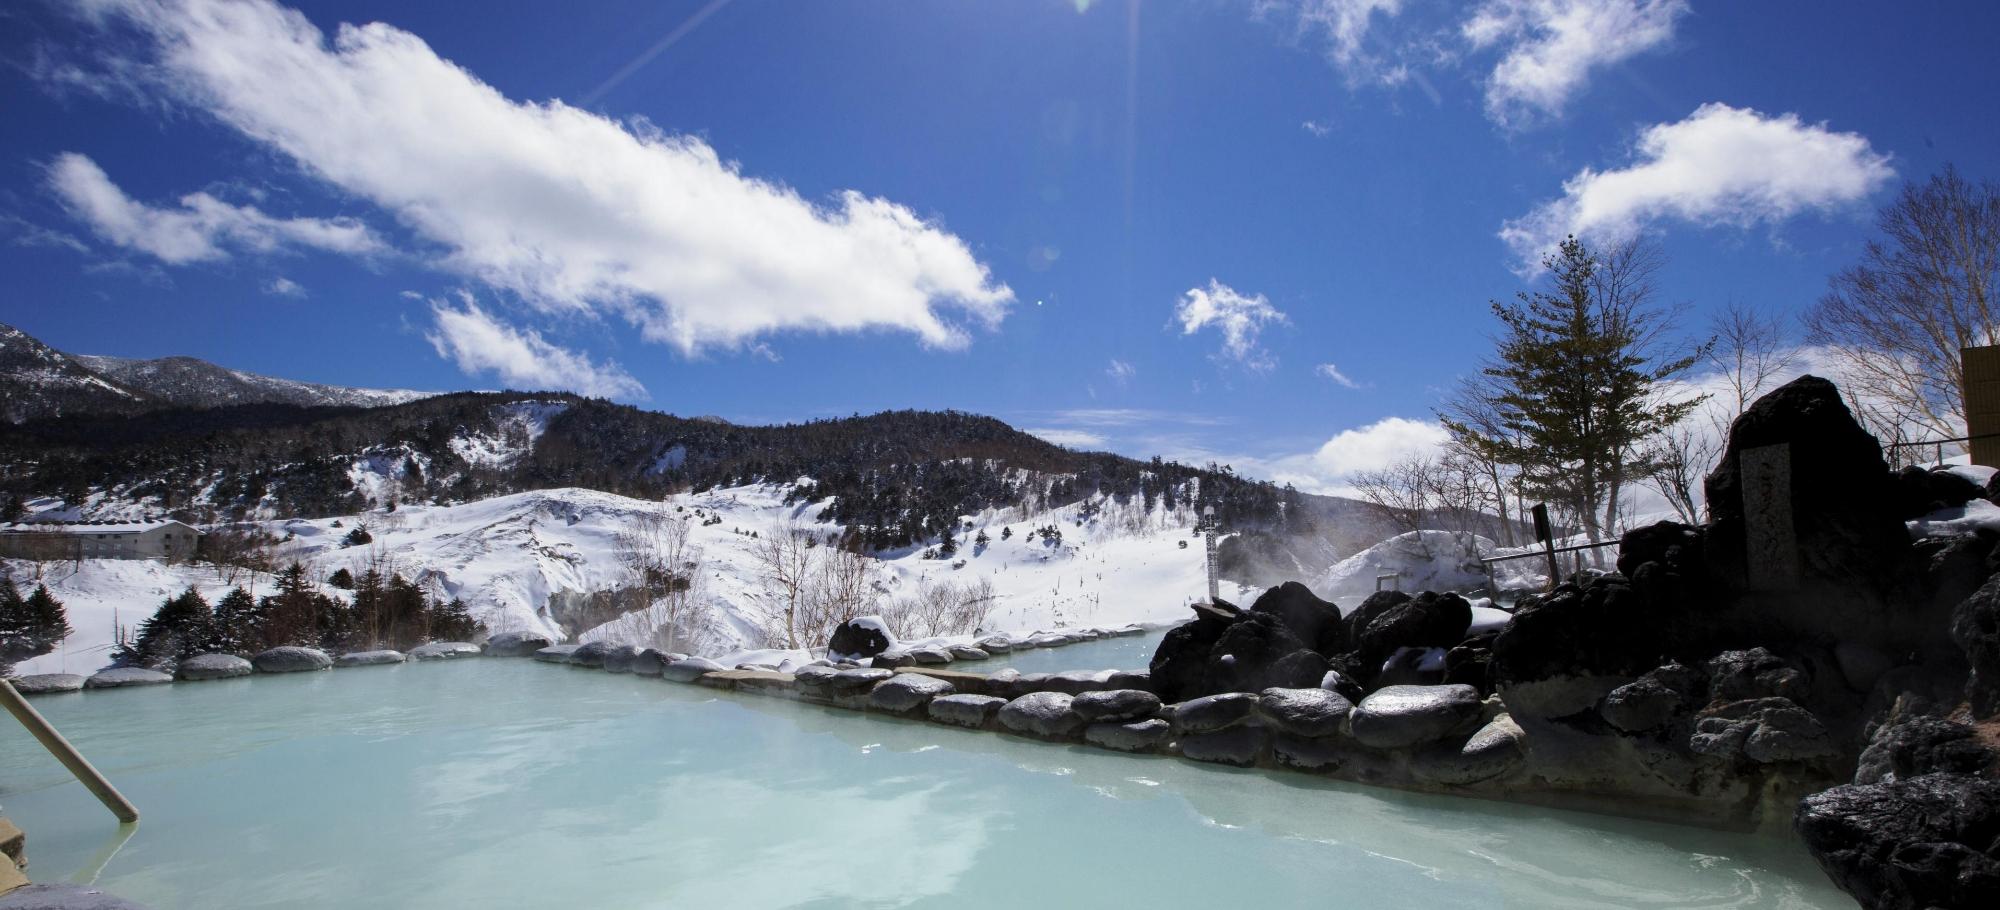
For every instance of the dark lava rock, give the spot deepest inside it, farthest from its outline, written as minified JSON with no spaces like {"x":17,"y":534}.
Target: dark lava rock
{"x":892,"y":660}
{"x":556,"y":654}
{"x":376,"y":658}
{"x":516,"y":644}
{"x":965,"y":710}
{"x":1258,"y":652}
{"x":1180,"y":665}
{"x":852,"y":682}
{"x":1497,"y":748}
{"x":1929,"y":841}
{"x":1338,"y":680}
{"x":1762,"y":731}
{"x":1371,"y":607}
{"x":1756,"y":673}
{"x":619,"y":658}
{"x":1675,"y":547}
{"x":1652,"y":701}
{"x":1044,"y":714}
{"x":1115,"y":705}
{"x":1923,"y":745}
{"x":1304,"y":712}
{"x":47,"y":683}
{"x":1130,"y":679}
{"x":1599,"y":627}
{"x":216,"y":666}
{"x":650,"y":662}
{"x":1313,"y":621}
{"x":690,"y":670}
{"x":931,"y":657}
{"x":1428,"y":620}
{"x":906,"y":692}
{"x":290,"y":659}
{"x":118,"y":677}
{"x":590,"y":654}
{"x":1213,"y":712}
{"x":1975,"y":628}
{"x":1402,"y":716}
{"x":1138,"y":736}
{"x":1238,"y":746}
{"x":1466,"y":663}
{"x":859,"y":639}
{"x":1845,"y":516}
{"x":1921,"y":491}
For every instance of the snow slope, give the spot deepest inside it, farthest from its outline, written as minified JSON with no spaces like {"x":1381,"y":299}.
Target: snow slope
{"x":508,"y":555}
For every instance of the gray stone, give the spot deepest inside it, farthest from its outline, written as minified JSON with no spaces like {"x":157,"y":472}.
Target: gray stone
{"x":45,"y":683}
{"x":1045,"y":714}
{"x":556,"y":654}
{"x":890,"y":660}
{"x":1308,"y":754}
{"x":1049,"y":640}
{"x":290,"y":659}
{"x":1497,"y":748}
{"x":968,"y":652}
{"x":1641,"y":705}
{"x":996,"y":644}
{"x":125,"y":676}
{"x":930,"y":656}
{"x":965,"y":710}
{"x":444,"y":650}
{"x":1763,"y":731}
{"x":1240,"y":745}
{"x":590,"y":654}
{"x":1397,"y":717}
{"x":1304,"y":712}
{"x":854,"y":682}
{"x":649,"y":662}
{"x":814,"y":679}
{"x":619,"y":658}
{"x":1115,"y":705}
{"x":364,"y":658}
{"x":1077,"y":682}
{"x":516,"y":644}
{"x":690,"y":670}
{"x":1130,"y":679}
{"x":1213,"y":712}
{"x":212,"y":666}
{"x":1756,"y":673}
{"x":906,"y":692}
{"x":1147,"y":735}
{"x":63,"y":897}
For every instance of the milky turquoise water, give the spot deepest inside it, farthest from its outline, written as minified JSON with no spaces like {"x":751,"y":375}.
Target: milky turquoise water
{"x":506,"y":783}
{"x":1131,"y":652}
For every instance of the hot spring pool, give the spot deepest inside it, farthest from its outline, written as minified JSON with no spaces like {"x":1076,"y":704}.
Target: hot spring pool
{"x":1129,"y":652}
{"x":507,"y":783}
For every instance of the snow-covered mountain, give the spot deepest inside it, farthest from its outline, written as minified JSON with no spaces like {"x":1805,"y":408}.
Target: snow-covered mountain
{"x":189,"y":382}
{"x":38,"y":381}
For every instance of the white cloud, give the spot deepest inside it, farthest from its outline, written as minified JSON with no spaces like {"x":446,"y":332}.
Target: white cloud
{"x":1333,"y":372}
{"x":1319,"y":128}
{"x":1344,"y":25}
{"x":1330,"y":469}
{"x":201,"y":229}
{"x":568,"y":209}
{"x":1120,"y":371}
{"x":1720,"y":166}
{"x":283,"y":287}
{"x":1551,"y":46}
{"x":478,"y":343}
{"x":1075,"y":439}
{"x":1239,"y":317}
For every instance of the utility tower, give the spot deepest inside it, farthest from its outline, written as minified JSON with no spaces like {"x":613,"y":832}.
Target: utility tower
{"x":1207,"y":528}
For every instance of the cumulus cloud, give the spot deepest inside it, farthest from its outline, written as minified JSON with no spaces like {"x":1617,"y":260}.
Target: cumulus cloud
{"x":1550,"y":47}
{"x":1239,"y":317}
{"x":1333,"y":372}
{"x":283,"y":287}
{"x":569,"y":210}
{"x":201,"y":228}
{"x":1720,"y":166}
{"x":1330,"y":469}
{"x":478,"y":342}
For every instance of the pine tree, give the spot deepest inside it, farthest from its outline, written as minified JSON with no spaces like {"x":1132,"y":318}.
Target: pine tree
{"x":236,"y":623}
{"x":47,"y":621}
{"x":1575,"y":388}
{"x":948,"y":547}
{"x":451,"y":621}
{"x":342,"y":579}
{"x":182,"y":627}
{"x":292,"y":615}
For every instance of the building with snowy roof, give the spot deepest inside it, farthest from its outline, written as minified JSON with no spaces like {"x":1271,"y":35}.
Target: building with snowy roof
{"x":163,"y":539}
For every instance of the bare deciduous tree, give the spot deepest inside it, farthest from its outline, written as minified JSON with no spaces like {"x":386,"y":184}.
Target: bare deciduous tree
{"x":1748,"y":354}
{"x":940,"y":608}
{"x":1921,"y":293}
{"x":663,"y":567}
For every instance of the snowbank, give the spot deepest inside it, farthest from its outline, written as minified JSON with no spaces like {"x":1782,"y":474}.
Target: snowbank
{"x":1422,"y":560}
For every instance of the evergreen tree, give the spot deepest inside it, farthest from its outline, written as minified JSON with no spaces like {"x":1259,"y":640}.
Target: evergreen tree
{"x":182,"y":627}
{"x":47,"y":622}
{"x":236,"y":623}
{"x":292,"y":616}
{"x":342,"y":579}
{"x":1576,"y":388}
{"x":948,"y":547}
{"x":359,"y":537}
{"x":451,"y":621}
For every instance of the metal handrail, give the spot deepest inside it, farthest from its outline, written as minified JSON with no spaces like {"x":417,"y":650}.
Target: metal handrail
{"x":1569,"y":549}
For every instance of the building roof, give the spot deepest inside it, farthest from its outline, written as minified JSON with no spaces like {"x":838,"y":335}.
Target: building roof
{"x":91,"y":527}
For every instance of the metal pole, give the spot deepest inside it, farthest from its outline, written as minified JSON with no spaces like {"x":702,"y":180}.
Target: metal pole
{"x":67,"y":754}
{"x":1208,"y":531}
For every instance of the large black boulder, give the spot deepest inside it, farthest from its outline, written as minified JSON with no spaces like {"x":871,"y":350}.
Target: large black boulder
{"x":1315,"y":622}
{"x":1593,"y":627}
{"x":1975,"y":628}
{"x":1923,"y":745}
{"x":1428,"y":620}
{"x":1180,"y":663}
{"x":1257,"y":652}
{"x":1374,"y":605}
{"x":1921,"y":491}
{"x":1845,"y":513}
{"x":1929,"y":841}
{"x":859,"y":639}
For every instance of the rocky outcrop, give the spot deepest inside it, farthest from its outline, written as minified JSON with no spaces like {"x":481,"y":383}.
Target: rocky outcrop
{"x":1653,"y":701}
{"x":1923,"y":745}
{"x":1258,"y":652}
{"x":212,"y":666}
{"x":1428,"y":620}
{"x":1921,"y":491}
{"x":1929,"y":841}
{"x":290,"y":659}
{"x":1314,"y":622}
{"x":1762,"y":731}
{"x":1975,"y":628}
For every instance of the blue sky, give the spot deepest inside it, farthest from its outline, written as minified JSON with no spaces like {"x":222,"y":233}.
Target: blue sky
{"x":1261,"y":232}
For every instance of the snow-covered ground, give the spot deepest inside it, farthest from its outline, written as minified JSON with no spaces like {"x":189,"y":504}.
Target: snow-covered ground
{"x":506,"y":556}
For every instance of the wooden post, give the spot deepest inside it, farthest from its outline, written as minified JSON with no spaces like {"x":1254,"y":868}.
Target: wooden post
{"x":67,"y":754}
{"x":1547,"y":536}
{"x":1981,"y":368}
